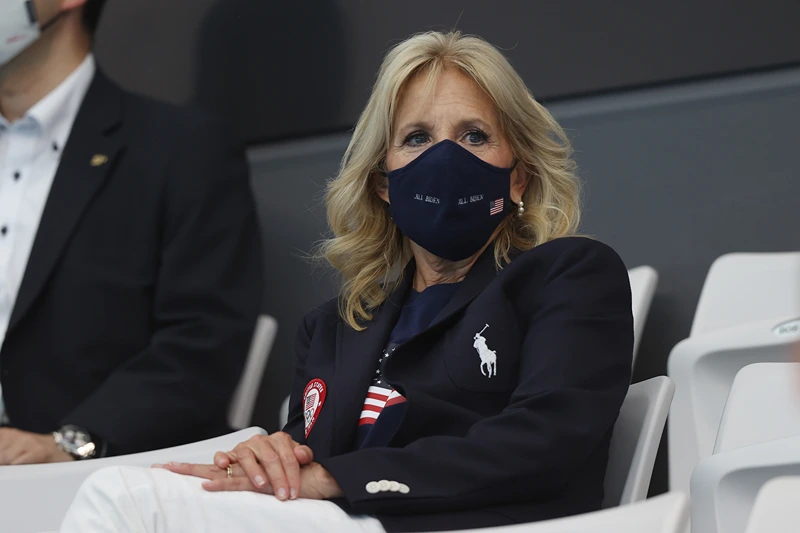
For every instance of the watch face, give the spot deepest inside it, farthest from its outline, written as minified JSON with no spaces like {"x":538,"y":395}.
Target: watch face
{"x":75,"y":441}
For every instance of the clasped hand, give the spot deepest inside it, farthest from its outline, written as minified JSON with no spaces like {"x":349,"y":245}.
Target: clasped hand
{"x":273,"y":464}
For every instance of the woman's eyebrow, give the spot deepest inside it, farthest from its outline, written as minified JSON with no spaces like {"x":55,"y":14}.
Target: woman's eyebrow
{"x":414,"y":126}
{"x":472,"y":122}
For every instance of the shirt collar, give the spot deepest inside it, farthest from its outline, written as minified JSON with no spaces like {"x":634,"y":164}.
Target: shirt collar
{"x":56,"y":112}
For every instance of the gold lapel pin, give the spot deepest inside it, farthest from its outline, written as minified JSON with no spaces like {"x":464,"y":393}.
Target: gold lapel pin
{"x":99,"y":160}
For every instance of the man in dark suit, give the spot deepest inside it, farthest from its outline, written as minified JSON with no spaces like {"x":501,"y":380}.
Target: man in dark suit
{"x":130,"y":260}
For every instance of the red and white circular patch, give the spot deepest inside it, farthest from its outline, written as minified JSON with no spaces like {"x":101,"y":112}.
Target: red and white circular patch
{"x":313,"y":398}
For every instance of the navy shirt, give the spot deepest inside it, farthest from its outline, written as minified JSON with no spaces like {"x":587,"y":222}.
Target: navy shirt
{"x":384,"y":407}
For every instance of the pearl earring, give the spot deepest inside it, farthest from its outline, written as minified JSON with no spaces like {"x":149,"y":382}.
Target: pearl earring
{"x":521,"y":208}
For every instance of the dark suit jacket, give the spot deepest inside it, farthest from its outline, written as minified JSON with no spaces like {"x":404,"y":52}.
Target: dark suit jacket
{"x":139,"y":299}
{"x":529,"y":443}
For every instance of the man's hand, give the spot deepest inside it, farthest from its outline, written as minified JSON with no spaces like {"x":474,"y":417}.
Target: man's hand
{"x":23,"y":448}
{"x":316,"y":483}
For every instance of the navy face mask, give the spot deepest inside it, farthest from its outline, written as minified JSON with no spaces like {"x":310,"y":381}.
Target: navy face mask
{"x":449,"y":201}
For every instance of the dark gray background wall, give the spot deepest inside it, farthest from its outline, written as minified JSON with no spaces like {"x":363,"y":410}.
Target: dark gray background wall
{"x":677,"y":171}
{"x":287,"y":69}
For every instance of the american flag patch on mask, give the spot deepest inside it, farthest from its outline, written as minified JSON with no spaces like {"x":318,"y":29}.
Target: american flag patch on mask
{"x":495,"y":207}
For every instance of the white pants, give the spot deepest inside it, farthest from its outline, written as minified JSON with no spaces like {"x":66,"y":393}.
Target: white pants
{"x":131,"y":499}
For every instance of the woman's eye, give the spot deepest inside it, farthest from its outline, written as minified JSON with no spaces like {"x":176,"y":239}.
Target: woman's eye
{"x":416,"y":139}
{"x":476,"y":137}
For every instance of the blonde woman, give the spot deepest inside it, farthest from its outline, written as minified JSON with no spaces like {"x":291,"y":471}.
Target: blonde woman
{"x":474,"y":364}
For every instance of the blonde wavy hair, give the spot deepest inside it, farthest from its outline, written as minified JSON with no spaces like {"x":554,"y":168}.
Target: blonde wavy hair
{"x":367,"y":248}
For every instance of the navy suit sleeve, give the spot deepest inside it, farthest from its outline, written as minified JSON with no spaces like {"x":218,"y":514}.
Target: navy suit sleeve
{"x":206,"y":299}
{"x":574,"y":374}
{"x":294,"y":424}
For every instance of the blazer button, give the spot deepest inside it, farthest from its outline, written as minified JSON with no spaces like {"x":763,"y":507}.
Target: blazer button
{"x":404,"y":488}
{"x":383,"y":485}
{"x":394,"y":486}
{"x":373,"y":487}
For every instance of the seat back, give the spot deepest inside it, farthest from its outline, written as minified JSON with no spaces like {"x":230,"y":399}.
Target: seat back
{"x":36,"y":498}
{"x":763,"y":405}
{"x":635,"y":441}
{"x":244,"y":397}
{"x":724,"y":486}
{"x":745,"y":287}
{"x":775,"y":509}
{"x":748,"y":312}
{"x":643,"y":286}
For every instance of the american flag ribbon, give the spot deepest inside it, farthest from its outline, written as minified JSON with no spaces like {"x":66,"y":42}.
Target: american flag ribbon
{"x":495,"y":206}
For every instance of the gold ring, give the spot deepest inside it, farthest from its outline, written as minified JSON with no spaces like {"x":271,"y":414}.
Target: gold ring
{"x":230,"y":471}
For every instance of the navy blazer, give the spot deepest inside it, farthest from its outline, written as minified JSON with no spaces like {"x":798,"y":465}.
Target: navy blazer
{"x":528,"y":443}
{"x":144,"y":282}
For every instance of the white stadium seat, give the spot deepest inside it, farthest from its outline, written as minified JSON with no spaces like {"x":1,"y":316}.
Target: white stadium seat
{"x":776,"y":509}
{"x":244,"y":397}
{"x":667,"y":513}
{"x":724,"y":486}
{"x":763,"y":405}
{"x":748,"y":312}
{"x":759,"y":426}
{"x":634,"y":443}
{"x":643,"y":286}
{"x":35,"y":498}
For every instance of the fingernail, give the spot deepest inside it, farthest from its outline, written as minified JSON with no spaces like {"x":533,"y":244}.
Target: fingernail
{"x":281,"y":493}
{"x":156,"y":466}
{"x":259,"y":481}
{"x":206,"y":484}
{"x":173,"y":463}
{"x":293,"y":494}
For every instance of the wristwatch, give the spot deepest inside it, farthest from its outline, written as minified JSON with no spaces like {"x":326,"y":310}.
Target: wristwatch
{"x":76,"y":442}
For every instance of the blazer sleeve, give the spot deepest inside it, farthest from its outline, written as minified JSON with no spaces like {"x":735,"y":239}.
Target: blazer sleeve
{"x":574,"y":374}
{"x":294,"y":423}
{"x":206,"y":299}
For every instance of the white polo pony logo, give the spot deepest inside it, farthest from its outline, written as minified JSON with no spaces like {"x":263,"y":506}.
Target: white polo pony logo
{"x":488,"y":357}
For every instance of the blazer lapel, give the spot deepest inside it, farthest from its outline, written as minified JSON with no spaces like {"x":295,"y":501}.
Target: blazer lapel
{"x":88,"y":158}
{"x":356,"y":360}
{"x":479,"y":276}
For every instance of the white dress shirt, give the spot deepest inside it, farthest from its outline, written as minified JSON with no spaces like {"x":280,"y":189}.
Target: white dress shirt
{"x":30,"y":151}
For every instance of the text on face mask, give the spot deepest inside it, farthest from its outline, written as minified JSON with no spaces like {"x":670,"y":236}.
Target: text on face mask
{"x":470,"y":199}
{"x":429,"y":199}
{"x":461,"y":201}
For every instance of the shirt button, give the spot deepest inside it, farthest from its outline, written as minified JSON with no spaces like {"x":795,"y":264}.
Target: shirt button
{"x":17,"y":175}
{"x":4,"y":230}
{"x":404,"y":488}
{"x":394,"y":486}
{"x":384,"y":485}
{"x":373,"y":487}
